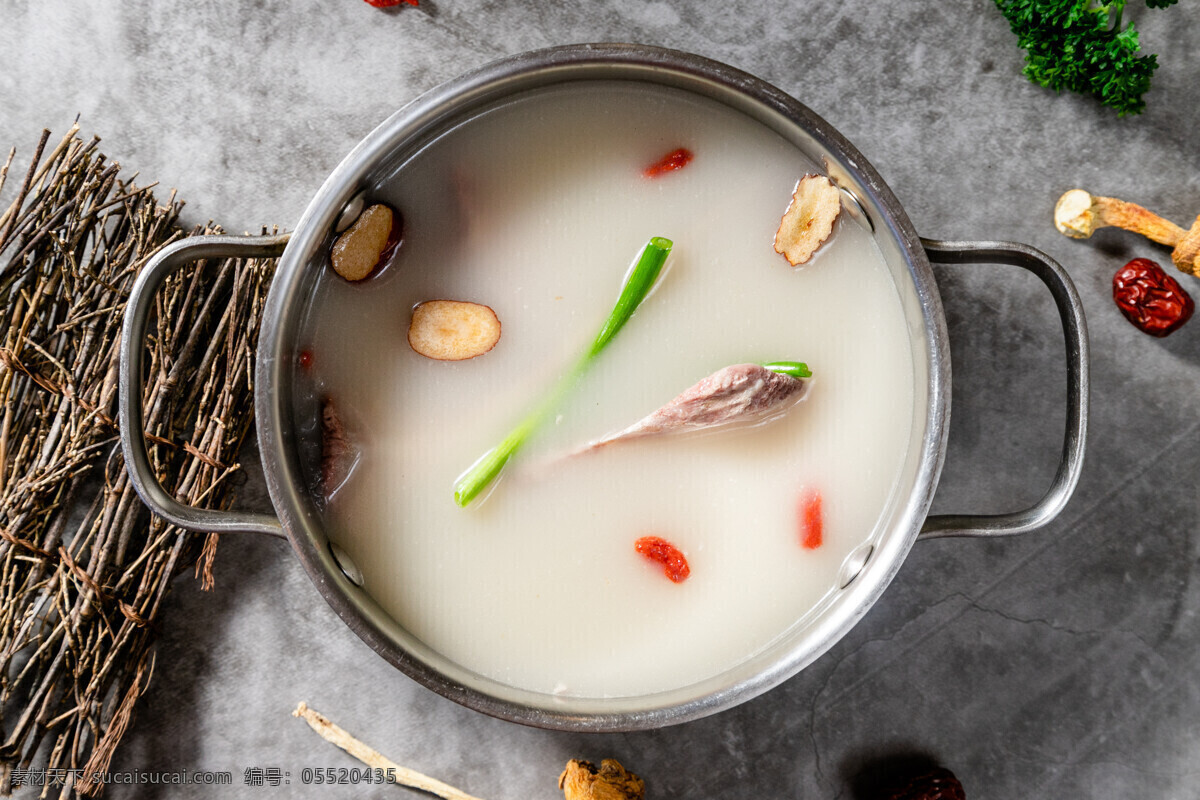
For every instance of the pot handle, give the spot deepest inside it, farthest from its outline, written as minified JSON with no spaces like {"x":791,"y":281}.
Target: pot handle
{"x":1075,"y":331}
{"x":130,"y":415}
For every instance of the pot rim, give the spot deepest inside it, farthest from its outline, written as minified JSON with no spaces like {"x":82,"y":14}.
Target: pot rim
{"x":419,"y":120}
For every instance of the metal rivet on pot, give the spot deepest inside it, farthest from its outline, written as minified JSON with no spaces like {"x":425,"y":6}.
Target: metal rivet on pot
{"x":351,"y":212}
{"x":854,"y":208}
{"x":853,"y":565}
{"x":346,"y":564}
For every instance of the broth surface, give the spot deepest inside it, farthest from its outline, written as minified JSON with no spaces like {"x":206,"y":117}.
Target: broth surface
{"x":536,"y":209}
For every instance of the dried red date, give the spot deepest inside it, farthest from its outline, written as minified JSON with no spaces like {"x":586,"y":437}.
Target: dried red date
{"x":938,"y":784}
{"x":390,"y":3}
{"x":1150,"y":298}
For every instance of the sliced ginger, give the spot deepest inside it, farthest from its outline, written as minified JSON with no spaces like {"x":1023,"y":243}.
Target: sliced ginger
{"x":809,"y":219}
{"x":453,"y":330}
{"x":359,"y":250}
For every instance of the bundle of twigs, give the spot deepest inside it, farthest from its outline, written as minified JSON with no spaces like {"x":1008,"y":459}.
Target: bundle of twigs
{"x":83,"y":566}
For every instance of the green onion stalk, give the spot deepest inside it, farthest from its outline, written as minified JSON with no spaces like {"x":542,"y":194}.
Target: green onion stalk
{"x":793,"y":369}
{"x":637,"y":286}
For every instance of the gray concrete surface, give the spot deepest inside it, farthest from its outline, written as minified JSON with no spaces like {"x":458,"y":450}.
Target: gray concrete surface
{"x":1059,"y":664}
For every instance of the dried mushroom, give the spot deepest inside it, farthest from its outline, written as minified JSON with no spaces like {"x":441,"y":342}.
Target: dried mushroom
{"x":581,"y":780}
{"x":1077,"y":214}
{"x":809,"y":219}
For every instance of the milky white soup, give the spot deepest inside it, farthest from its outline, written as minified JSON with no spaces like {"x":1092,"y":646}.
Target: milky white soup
{"x":536,"y":209}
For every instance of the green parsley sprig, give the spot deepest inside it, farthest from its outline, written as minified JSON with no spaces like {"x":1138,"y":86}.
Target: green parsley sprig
{"x":1081,"y":46}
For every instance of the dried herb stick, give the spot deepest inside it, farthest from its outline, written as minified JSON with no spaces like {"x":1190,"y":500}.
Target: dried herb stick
{"x":639,"y":283}
{"x":83,"y":567}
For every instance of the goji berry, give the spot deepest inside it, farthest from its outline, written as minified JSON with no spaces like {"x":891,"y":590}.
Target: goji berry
{"x":674,"y":563}
{"x":810,"y":520}
{"x":676,"y":159}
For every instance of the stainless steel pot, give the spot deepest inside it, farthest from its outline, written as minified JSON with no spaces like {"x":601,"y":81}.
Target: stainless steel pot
{"x":864,"y":576}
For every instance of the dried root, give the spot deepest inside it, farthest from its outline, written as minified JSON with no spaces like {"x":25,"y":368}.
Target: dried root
{"x":401,"y":776}
{"x":809,"y":219}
